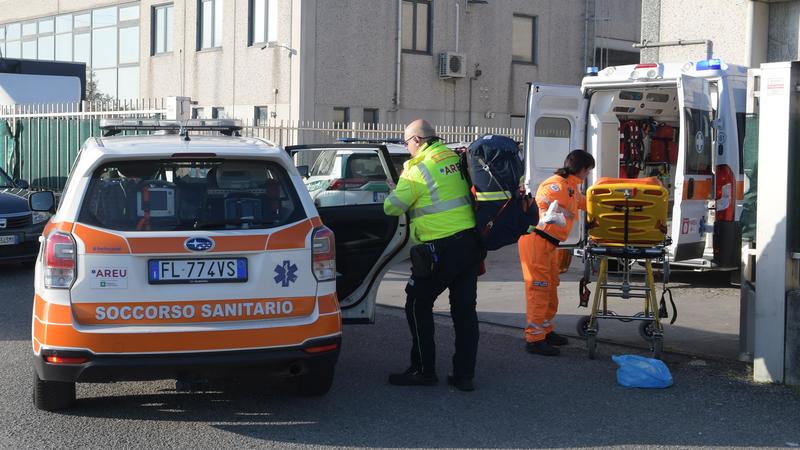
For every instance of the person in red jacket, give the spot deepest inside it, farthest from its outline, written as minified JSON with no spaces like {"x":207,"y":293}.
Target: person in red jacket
{"x":558,"y":199}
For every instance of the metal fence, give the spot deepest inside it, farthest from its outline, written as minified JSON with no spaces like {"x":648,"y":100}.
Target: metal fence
{"x":38,"y":143}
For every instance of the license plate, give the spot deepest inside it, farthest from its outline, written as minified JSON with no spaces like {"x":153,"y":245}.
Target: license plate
{"x":177,"y":271}
{"x":8,"y":240}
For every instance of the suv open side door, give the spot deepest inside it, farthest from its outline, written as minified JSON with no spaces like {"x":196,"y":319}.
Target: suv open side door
{"x":555,"y":125}
{"x":368,"y":242}
{"x":694,"y":179}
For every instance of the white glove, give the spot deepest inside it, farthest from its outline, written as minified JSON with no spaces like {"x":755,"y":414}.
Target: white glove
{"x":554,"y":215}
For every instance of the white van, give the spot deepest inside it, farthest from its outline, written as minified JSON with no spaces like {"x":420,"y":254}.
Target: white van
{"x":680,"y":122}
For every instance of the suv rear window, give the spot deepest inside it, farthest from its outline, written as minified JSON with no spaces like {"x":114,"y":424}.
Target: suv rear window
{"x":190,"y":195}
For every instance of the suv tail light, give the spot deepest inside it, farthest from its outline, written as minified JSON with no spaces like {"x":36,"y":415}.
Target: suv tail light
{"x":725,"y":191}
{"x":323,"y":252}
{"x":59,"y":261}
{"x":343,"y":184}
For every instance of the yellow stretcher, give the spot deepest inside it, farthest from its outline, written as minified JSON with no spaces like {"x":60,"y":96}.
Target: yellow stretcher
{"x":627,"y":222}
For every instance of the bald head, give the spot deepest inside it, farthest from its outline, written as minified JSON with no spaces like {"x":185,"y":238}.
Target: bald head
{"x":420,"y":128}
{"x":418,"y":133}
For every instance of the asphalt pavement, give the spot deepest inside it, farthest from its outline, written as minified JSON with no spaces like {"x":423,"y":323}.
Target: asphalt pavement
{"x":521,"y":401}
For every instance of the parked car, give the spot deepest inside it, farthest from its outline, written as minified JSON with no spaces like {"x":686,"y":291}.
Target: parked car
{"x":351,"y":173}
{"x":20,"y":228}
{"x":198,"y":256}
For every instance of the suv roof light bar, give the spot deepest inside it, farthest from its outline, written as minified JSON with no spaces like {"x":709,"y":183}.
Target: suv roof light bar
{"x":355,"y":140}
{"x":227,"y":127}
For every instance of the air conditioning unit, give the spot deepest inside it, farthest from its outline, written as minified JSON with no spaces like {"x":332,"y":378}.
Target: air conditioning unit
{"x":452,"y":65}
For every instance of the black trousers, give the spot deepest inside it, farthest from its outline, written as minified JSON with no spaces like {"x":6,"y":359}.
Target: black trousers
{"x":460,"y":257}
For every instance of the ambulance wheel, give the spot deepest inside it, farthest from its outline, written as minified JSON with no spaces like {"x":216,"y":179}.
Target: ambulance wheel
{"x":52,"y":395}
{"x":591,"y":344}
{"x":583,"y":326}
{"x":317,"y":381}
{"x":647,"y":330}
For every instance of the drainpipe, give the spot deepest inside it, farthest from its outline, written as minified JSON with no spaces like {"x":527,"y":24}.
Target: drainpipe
{"x":458,"y":15}
{"x":399,"y":56}
{"x":755,"y":35}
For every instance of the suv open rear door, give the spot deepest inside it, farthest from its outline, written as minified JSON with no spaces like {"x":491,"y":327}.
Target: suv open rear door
{"x":368,"y":242}
{"x":556,"y":125}
{"x":694,"y":175}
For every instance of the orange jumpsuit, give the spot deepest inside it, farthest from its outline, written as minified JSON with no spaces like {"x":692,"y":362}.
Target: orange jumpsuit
{"x":539,"y":256}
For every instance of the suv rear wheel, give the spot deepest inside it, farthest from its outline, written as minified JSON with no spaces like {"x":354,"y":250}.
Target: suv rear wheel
{"x":317,"y":381}
{"x":52,"y":395}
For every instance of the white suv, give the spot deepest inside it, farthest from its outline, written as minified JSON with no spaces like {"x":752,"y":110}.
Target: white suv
{"x":184,"y":256}
{"x":351,"y":174}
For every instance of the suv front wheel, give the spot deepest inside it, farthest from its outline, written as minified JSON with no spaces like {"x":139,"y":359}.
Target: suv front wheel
{"x":52,"y":395}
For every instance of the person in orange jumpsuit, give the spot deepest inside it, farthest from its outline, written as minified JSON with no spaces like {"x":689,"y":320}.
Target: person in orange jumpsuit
{"x":538,"y":251}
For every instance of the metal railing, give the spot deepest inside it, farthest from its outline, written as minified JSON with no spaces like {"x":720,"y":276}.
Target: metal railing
{"x":38,"y":143}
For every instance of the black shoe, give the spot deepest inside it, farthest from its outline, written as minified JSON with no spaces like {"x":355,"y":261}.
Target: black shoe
{"x":461,"y":383}
{"x":543,"y":348}
{"x":413,"y":377}
{"x":556,"y":339}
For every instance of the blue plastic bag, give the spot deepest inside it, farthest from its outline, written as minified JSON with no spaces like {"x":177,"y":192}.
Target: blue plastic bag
{"x":639,"y":372}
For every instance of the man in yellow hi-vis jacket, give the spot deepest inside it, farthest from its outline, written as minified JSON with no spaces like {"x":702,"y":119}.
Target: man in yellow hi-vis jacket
{"x":435,"y":194}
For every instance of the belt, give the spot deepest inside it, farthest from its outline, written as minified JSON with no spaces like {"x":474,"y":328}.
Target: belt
{"x":457,"y":235}
{"x":546,"y":237}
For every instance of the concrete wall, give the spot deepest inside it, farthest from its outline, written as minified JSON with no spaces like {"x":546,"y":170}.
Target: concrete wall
{"x":784,"y":32}
{"x":746,"y":32}
{"x":355,"y":57}
{"x":347,"y":56}
{"x":235,"y":76}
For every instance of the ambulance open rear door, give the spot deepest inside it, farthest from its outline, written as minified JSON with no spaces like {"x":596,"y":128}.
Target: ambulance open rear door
{"x":694,"y":175}
{"x":556,"y":125}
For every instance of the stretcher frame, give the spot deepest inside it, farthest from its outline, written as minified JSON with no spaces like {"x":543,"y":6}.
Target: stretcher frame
{"x":650,"y":328}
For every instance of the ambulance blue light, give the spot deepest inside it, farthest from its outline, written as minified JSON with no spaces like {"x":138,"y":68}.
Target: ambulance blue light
{"x":709,"y":64}
{"x":592,"y":70}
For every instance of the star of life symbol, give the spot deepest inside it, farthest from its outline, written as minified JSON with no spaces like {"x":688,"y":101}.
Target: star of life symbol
{"x":286,"y":273}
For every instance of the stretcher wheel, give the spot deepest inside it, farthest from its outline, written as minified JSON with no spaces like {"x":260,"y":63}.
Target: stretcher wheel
{"x":647,"y":330}
{"x":583,"y":326}
{"x":591,"y":344}
{"x":658,"y":347}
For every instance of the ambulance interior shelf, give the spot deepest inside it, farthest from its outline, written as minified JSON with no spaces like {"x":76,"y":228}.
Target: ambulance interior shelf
{"x":648,"y":149}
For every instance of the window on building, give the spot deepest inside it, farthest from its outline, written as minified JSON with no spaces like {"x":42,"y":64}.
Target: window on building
{"x":523,"y":39}
{"x":218,"y":112}
{"x":209,"y":24}
{"x":371,"y":115}
{"x":260,"y":115}
{"x":162,"y":20}
{"x":198,"y":113}
{"x":263,"y":22}
{"x":416,"y":26}
{"x":341,"y":116}
{"x":105,"y":39}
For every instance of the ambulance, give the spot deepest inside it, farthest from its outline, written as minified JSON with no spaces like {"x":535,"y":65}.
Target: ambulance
{"x":680,"y":122}
{"x":196,"y":254}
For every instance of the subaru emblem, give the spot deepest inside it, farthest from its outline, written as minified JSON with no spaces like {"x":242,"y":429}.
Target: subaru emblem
{"x":199,"y":244}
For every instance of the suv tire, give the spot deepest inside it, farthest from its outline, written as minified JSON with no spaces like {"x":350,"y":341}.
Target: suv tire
{"x":317,"y":381}
{"x":52,"y":395}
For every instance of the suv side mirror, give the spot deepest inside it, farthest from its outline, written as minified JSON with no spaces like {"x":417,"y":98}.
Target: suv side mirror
{"x":22,"y":184}
{"x":42,"y":201}
{"x":303,"y":171}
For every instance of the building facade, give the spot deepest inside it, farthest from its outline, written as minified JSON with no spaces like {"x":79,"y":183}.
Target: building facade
{"x":746,"y":32}
{"x":314,"y":60}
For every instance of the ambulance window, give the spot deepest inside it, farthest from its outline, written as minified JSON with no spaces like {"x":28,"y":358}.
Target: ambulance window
{"x":551,"y":137}
{"x":660,"y":98}
{"x":698,"y":142}
{"x":630,"y":95}
{"x":190,"y":195}
{"x":324,"y":163}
